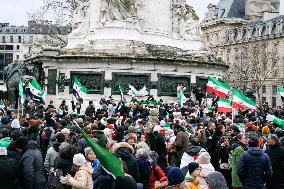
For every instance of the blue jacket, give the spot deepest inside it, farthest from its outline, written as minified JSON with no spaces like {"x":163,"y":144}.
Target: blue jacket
{"x":254,"y":168}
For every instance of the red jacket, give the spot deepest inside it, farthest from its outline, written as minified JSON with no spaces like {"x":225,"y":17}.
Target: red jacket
{"x":159,"y":174}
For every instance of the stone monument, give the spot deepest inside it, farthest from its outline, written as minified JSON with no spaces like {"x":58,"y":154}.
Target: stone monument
{"x":153,"y":43}
{"x":256,"y":8}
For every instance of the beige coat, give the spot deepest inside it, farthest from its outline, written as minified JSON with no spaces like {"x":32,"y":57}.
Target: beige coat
{"x":83,"y":178}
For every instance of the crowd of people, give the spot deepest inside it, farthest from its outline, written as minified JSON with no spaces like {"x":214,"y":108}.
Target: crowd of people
{"x":160,"y":144}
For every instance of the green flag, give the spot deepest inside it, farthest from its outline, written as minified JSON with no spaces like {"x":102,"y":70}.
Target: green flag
{"x":181,"y":98}
{"x":5,"y":142}
{"x":108,"y":160}
{"x":121,"y":89}
{"x":21,"y":91}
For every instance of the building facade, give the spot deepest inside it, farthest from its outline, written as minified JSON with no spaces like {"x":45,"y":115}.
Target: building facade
{"x":17,"y":42}
{"x":248,"y":37}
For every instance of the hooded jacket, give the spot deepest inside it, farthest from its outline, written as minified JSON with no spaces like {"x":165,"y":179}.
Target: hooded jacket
{"x":189,"y":156}
{"x":124,"y":151}
{"x":31,"y":167}
{"x":51,"y":155}
{"x":102,"y":180}
{"x":83,"y":178}
{"x":254,"y":166}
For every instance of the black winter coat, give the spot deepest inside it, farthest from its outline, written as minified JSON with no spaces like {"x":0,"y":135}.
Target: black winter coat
{"x":65,"y":165}
{"x":132,"y":165}
{"x":8,"y":172}
{"x":276,"y":155}
{"x":31,"y":167}
{"x":102,"y":180}
{"x":13,"y":153}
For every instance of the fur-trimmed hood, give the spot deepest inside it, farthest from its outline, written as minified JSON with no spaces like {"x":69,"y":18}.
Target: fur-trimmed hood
{"x":122,"y":145}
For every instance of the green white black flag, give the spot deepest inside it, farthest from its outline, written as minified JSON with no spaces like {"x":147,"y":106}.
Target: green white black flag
{"x":36,"y":89}
{"x":79,"y":91}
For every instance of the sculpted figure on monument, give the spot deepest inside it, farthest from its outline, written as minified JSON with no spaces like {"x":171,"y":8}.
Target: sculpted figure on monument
{"x":255,"y":8}
{"x":81,"y":18}
{"x":184,"y":19}
{"x":118,"y":10}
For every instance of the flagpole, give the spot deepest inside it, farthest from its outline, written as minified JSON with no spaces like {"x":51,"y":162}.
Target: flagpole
{"x":232,"y":115}
{"x":22,"y":110}
{"x":19,"y":107}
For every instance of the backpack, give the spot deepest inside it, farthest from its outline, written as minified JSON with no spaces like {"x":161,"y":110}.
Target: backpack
{"x":54,"y":179}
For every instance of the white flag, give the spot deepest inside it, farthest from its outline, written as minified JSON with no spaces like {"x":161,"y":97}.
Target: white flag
{"x":134,"y":92}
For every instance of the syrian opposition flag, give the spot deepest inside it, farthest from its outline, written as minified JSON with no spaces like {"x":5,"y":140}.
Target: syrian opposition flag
{"x":281,"y":91}
{"x":240,"y":101}
{"x":21,"y":91}
{"x":36,"y":89}
{"x":275,"y":120}
{"x":134,"y":92}
{"x":79,"y":91}
{"x":121,"y":89}
{"x":224,"y":105}
{"x":110,"y":163}
{"x":217,"y":87}
{"x":181,"y":98}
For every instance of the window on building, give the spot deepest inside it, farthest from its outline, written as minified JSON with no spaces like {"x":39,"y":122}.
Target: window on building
{"x":9,"y":47}
{"x":7,"y":30}
{"x":18,"y":47}
{"x":17,"y":57}
{"x":263,"y":99}
{"x":274,"y":89}
{"x":3,"y":39}
{"x":19,"y":39}
{"x":273,"y":102}
{"x":11,"y":39}
{"x":263,"y":89}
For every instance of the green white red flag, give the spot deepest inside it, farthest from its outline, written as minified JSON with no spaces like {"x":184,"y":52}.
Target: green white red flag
{"x":240,"y":101}
{"x":224,"y":105}
{"x":219,"y":88}
{"x":79,"y":91}
{"x":281,"y":91}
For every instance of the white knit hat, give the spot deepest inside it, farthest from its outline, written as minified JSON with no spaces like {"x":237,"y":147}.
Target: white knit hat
{"x":79,"y":159}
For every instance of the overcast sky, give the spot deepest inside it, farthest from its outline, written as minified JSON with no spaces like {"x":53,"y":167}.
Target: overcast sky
{"x":15,"y":11}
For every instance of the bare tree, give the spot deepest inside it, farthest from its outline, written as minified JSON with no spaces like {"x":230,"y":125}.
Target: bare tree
{"x":253,"y":67}
{"x":59,"y":15}
{"x":61,"y":11}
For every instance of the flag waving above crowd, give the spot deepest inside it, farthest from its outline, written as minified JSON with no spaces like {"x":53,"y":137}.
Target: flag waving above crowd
{"x":219,"y":88}
{"x":281,"y":91}
{"x":79,"y":91}
{"x":135,"y":92}
{"x":240,"y":101}
{"x":224,"y":105}
{"x":36,"y":89}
